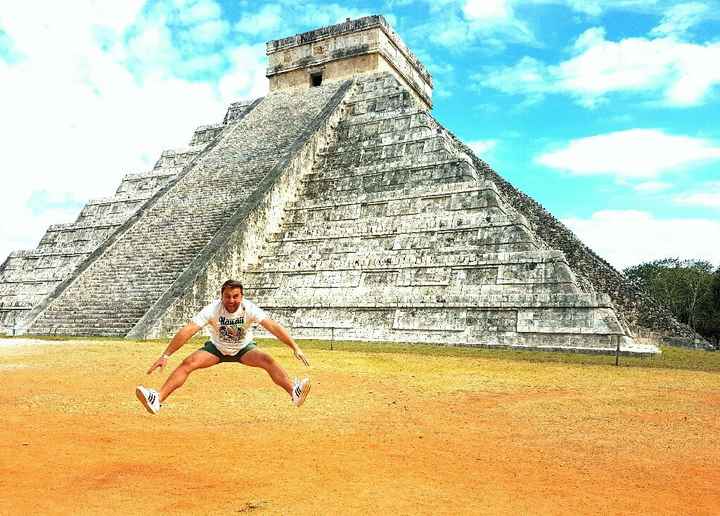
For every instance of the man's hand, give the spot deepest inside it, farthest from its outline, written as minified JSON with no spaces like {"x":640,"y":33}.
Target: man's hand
{"x":283,"y":336}
{"x":160,"y":362}
{"x":301,"y":356}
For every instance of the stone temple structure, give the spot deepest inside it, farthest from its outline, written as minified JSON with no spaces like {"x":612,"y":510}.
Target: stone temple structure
{"x":347,"y":210}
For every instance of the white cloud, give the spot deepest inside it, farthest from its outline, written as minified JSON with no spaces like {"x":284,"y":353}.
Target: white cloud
{"x":209,"y":31}
{"x":652,"y":187}
{"x":591,"y":7}
{"x":635,"y":153}
{"x":595,"y":8}
{"x":94,"y":95}
{"x":708,"y":197}
{"x":459,"y":24}
{"x":314,"y":15}
{"x":265,"y":20}
{"x":482,"y":147}
{"x":626,"y":238}
{"x":295,"y":17}
{"x":679,"y":73}
{"x":246,"y":77}
{"x":443,"y":74}
{"x":528,"y":77}
{"x":487,"y":10}
{"x":22,"y":229}
{"x":193,"y":11}
{"x":680,"y":18}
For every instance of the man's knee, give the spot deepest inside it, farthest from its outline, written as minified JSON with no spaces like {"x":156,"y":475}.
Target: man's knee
{"x":191,"y":363}
{"x":265,"y":361}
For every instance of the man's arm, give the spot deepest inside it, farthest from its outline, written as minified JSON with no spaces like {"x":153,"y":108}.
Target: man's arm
{"x":183,"y":335}
{"x":283,"y":336}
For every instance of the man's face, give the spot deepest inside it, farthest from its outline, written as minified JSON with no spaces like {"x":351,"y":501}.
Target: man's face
{"x":231,"y":298}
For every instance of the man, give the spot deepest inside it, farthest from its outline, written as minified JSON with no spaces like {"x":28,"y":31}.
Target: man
{"x":231,"y":319}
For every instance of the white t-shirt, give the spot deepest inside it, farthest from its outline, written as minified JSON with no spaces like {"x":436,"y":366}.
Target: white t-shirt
{"x":230,"y":332}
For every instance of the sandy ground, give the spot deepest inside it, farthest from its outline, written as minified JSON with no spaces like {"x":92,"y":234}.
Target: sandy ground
{"x":380,"y":434}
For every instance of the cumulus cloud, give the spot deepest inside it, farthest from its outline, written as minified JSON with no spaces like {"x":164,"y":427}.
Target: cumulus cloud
{"x":680,"y":18}
{"x":626,"y":238}
{"x":443,"y":74}
{"x":314,"y":15}
{"x":267,"y":19}
{"x":246,"y":76}
{"x":482,"y":147}
{"x":596,"y":8}
{"x":294,"y":17}
{"x":487,"y":10}
{"x":461,"y":24}
{"x":707,"y":196}
{"x":634,"y":153}
{"x":652,"y":187}
{"x":97,"y":92}
{"x":675,"y":72}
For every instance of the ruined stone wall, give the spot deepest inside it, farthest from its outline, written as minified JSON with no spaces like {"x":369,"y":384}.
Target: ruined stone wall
{"x":165,"y":239}
{"x":341,"y":69}
{"x":395,"y":236}
{"x":647,"y":319}
{"x":238,"y":245}
{"x":28,"y":279}
{"x":29,"y":276}
{"x":345,"y":50}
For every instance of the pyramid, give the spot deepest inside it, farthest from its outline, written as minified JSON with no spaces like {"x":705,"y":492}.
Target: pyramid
{"x":347,"y":211}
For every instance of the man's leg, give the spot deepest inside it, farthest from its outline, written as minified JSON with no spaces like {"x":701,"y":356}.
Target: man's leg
{"x":197,"y":360}
{"x":258,"y":358}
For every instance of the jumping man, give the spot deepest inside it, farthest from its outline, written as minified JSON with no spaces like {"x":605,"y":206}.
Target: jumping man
{"x":231,"y":319}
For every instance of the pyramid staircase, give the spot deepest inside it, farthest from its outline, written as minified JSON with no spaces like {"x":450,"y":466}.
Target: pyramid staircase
{"x":394,"y":237}
{"x":122,"y":282}
{"x":28,"y":278}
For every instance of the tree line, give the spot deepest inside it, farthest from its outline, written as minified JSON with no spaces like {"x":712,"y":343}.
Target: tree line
{"x":689,"y":288}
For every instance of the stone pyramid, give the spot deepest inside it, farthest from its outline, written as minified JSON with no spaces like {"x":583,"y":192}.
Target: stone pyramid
{"x":348,"y":212}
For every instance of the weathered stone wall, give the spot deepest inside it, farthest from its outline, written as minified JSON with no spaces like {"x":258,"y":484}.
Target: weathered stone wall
{"x":345,"y":50}
{"x":394,"y":236}
{"x":647,"y":319}
{"x":238,"y":110}
{"x":28,"y":279}
{"x":239,"y":243}
{"x":340,"y":69}
{"x":150,"y":255}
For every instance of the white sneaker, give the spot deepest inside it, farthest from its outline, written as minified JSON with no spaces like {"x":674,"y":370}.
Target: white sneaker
{"x":149,"y":398}
{"x":300,"y":390}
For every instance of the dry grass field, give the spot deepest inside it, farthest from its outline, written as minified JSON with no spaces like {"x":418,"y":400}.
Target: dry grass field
{"x":386,"y":431}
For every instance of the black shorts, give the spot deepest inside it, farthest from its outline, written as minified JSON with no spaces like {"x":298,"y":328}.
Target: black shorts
{"x":210,"y":348}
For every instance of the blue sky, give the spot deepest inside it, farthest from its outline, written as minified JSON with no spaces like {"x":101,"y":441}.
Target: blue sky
{"x":604,"y":111}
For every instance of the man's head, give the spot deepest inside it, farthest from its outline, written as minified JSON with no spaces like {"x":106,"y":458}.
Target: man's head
{"x":231,"y":293}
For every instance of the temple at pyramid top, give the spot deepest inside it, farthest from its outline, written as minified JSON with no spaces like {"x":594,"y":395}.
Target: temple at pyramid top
{"x":354,"y":47}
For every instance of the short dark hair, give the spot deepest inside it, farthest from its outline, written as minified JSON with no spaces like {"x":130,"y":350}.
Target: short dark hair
{"x":231,"y":283}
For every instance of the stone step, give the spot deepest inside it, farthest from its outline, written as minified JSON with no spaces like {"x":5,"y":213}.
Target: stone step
{"x":151,"y":255}
{"x":419,"y":241}
{"x":373,"y":296}
{"x":382,"y":259}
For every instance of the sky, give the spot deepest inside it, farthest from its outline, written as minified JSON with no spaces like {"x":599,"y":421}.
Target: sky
{"x":605,"y":112}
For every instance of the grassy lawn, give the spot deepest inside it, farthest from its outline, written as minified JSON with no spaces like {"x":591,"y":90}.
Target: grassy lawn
{"x":671,"y":357}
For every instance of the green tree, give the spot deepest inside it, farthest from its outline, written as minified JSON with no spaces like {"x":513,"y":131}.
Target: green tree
{"x":709,"y":318}
{"x":689,"y":288}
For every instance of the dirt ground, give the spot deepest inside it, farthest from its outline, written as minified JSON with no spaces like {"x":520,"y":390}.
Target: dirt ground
{"x":380,"y":433}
